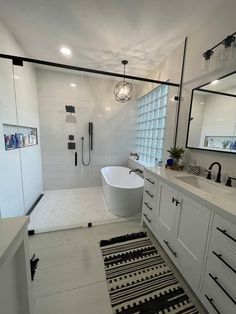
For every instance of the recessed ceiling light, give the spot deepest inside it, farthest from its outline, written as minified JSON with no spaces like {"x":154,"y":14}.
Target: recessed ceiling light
{"x":214,"y":82}
{"x":202,"y":103}
{"x":73,"y":85}
{"x":65,"y":51}
{"x":100,"y":116}
{"x":108,"y":108}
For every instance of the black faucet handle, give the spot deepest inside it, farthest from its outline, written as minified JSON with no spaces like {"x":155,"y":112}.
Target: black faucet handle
{"x":229,"y":181}
{"x":208,"y":174}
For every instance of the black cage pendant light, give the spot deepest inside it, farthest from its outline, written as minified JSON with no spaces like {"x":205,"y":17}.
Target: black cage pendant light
{"x":123,"y":89}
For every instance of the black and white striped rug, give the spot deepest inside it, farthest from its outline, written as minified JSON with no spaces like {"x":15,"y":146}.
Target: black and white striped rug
{"x":138,"y":279}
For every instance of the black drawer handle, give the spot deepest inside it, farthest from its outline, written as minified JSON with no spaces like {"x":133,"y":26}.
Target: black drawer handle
{"x":149,"y":180}
{"x":223,"y":261}
{"x":173,"y":200}
{"x":149,"y":220}
{"x":221,"y":287}
{"x":212,"y":303}
{"x":149,"y":207}
{"x":169,"y":247}
{"x":226,"y":234}
{"x":151,"y":195}
{"x":76,"y":159}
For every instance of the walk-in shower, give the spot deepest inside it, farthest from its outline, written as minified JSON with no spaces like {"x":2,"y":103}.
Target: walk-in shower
{"x":81,"y":129}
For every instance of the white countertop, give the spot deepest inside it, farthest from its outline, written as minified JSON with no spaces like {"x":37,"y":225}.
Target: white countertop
{"x":10,"y":229}
{"x":223,"y":204}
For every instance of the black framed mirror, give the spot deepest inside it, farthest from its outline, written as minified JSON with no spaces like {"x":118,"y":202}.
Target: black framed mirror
{"x":212,"y":117}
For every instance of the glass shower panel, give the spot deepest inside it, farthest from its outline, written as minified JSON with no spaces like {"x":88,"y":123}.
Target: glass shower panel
{"x":11,"y":196}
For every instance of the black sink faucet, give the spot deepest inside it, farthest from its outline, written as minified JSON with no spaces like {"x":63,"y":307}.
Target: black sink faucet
{"x":135,"y":170}
{"x":218,"y":176}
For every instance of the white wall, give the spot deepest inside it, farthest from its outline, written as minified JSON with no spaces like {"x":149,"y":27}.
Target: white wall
{"x":220,"y":24}
{"x":20,"y":169}
{"x":93,"y":98}
{"x":168,"y":69}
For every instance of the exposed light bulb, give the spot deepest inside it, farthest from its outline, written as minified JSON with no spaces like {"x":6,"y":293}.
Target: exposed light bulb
{"x":214,"y":82}
{"x":65,"y":51}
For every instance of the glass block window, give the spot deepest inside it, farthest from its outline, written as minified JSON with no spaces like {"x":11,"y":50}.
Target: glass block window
{"x":151,"y":121}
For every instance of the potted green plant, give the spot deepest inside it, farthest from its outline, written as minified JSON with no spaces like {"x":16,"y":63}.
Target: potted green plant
{"x":176,"y":153}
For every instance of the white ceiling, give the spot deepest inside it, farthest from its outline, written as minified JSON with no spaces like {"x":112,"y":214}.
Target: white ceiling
{"x":103,"y":32}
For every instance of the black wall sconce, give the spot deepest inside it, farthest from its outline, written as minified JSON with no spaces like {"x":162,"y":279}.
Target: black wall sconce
{"x":228,"y":48}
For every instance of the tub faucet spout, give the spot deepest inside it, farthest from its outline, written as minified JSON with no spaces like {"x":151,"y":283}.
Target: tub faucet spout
{"x":136,"y":170}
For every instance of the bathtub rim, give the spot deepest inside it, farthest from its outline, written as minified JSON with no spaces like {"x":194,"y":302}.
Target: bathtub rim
{"x":118,"y":186}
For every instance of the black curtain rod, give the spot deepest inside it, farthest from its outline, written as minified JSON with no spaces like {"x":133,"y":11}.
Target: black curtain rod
{"x":19,"y":61}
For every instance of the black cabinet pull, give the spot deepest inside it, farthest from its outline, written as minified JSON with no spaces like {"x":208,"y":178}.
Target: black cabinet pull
{"x":169,"y":247}
{"x":149,"y":207}
{"x":212,"y":303}
{"x":221,"y":287}
{"x":76,"y":159}
{"x":226,"y":234}
{"x":152,"y":182}
{"x":174,"y":200}
{"x":219,"y":256}
{"x":149,"y":220}
{"x":151,"y":195}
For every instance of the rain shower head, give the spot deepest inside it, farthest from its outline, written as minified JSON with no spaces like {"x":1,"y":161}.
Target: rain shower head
{"x":70,"y":108}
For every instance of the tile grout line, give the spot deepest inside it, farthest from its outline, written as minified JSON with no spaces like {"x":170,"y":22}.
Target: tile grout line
{"x":67,"y":290}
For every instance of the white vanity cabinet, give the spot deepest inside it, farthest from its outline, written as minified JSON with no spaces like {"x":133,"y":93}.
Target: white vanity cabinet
{"x":150,"y":198}
{"x":166,"y":218}
{"x":200,"y":242}
{"x":182,"y":228}
{"x":219,"y":287}
{"x":192,"y":230}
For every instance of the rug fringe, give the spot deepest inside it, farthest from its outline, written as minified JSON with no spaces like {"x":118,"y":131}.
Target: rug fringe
{"x":123,"y":238}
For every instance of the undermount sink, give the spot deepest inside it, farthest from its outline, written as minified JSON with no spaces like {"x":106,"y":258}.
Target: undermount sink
{"x":204,"y":185}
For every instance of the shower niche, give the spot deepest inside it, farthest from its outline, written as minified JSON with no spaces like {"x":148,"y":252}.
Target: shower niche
{"x":16,"y":136}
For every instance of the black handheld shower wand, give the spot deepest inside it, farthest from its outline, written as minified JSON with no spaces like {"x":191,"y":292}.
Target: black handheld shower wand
{"x":90,"y":131}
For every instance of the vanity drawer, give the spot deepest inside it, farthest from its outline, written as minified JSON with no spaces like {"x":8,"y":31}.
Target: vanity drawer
{"x":149,"y":196}
{"x":224,"y":260}
{"x":220,"y":278}
{"x":151,"y":183}
{"x":225,"y":231}
{"x":147,"y":218}
{"x":215,"y":300}
{"x":148,"y":205}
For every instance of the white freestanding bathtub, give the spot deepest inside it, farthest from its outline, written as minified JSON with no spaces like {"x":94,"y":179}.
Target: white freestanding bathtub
{"x":123,"y":191}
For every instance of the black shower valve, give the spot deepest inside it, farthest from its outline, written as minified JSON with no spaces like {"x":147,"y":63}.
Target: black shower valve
{"x":71,"y":145}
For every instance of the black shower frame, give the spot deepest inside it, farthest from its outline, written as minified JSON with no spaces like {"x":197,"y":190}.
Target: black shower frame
{"x":19,"y":61}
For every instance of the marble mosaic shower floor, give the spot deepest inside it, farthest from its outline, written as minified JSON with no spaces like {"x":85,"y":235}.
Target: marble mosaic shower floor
{"x":64,"y":209}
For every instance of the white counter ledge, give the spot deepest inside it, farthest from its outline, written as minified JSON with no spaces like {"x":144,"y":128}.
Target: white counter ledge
{"x":222,"y":204}
{"x":15,"y":277}
{"x":10,"y":229}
